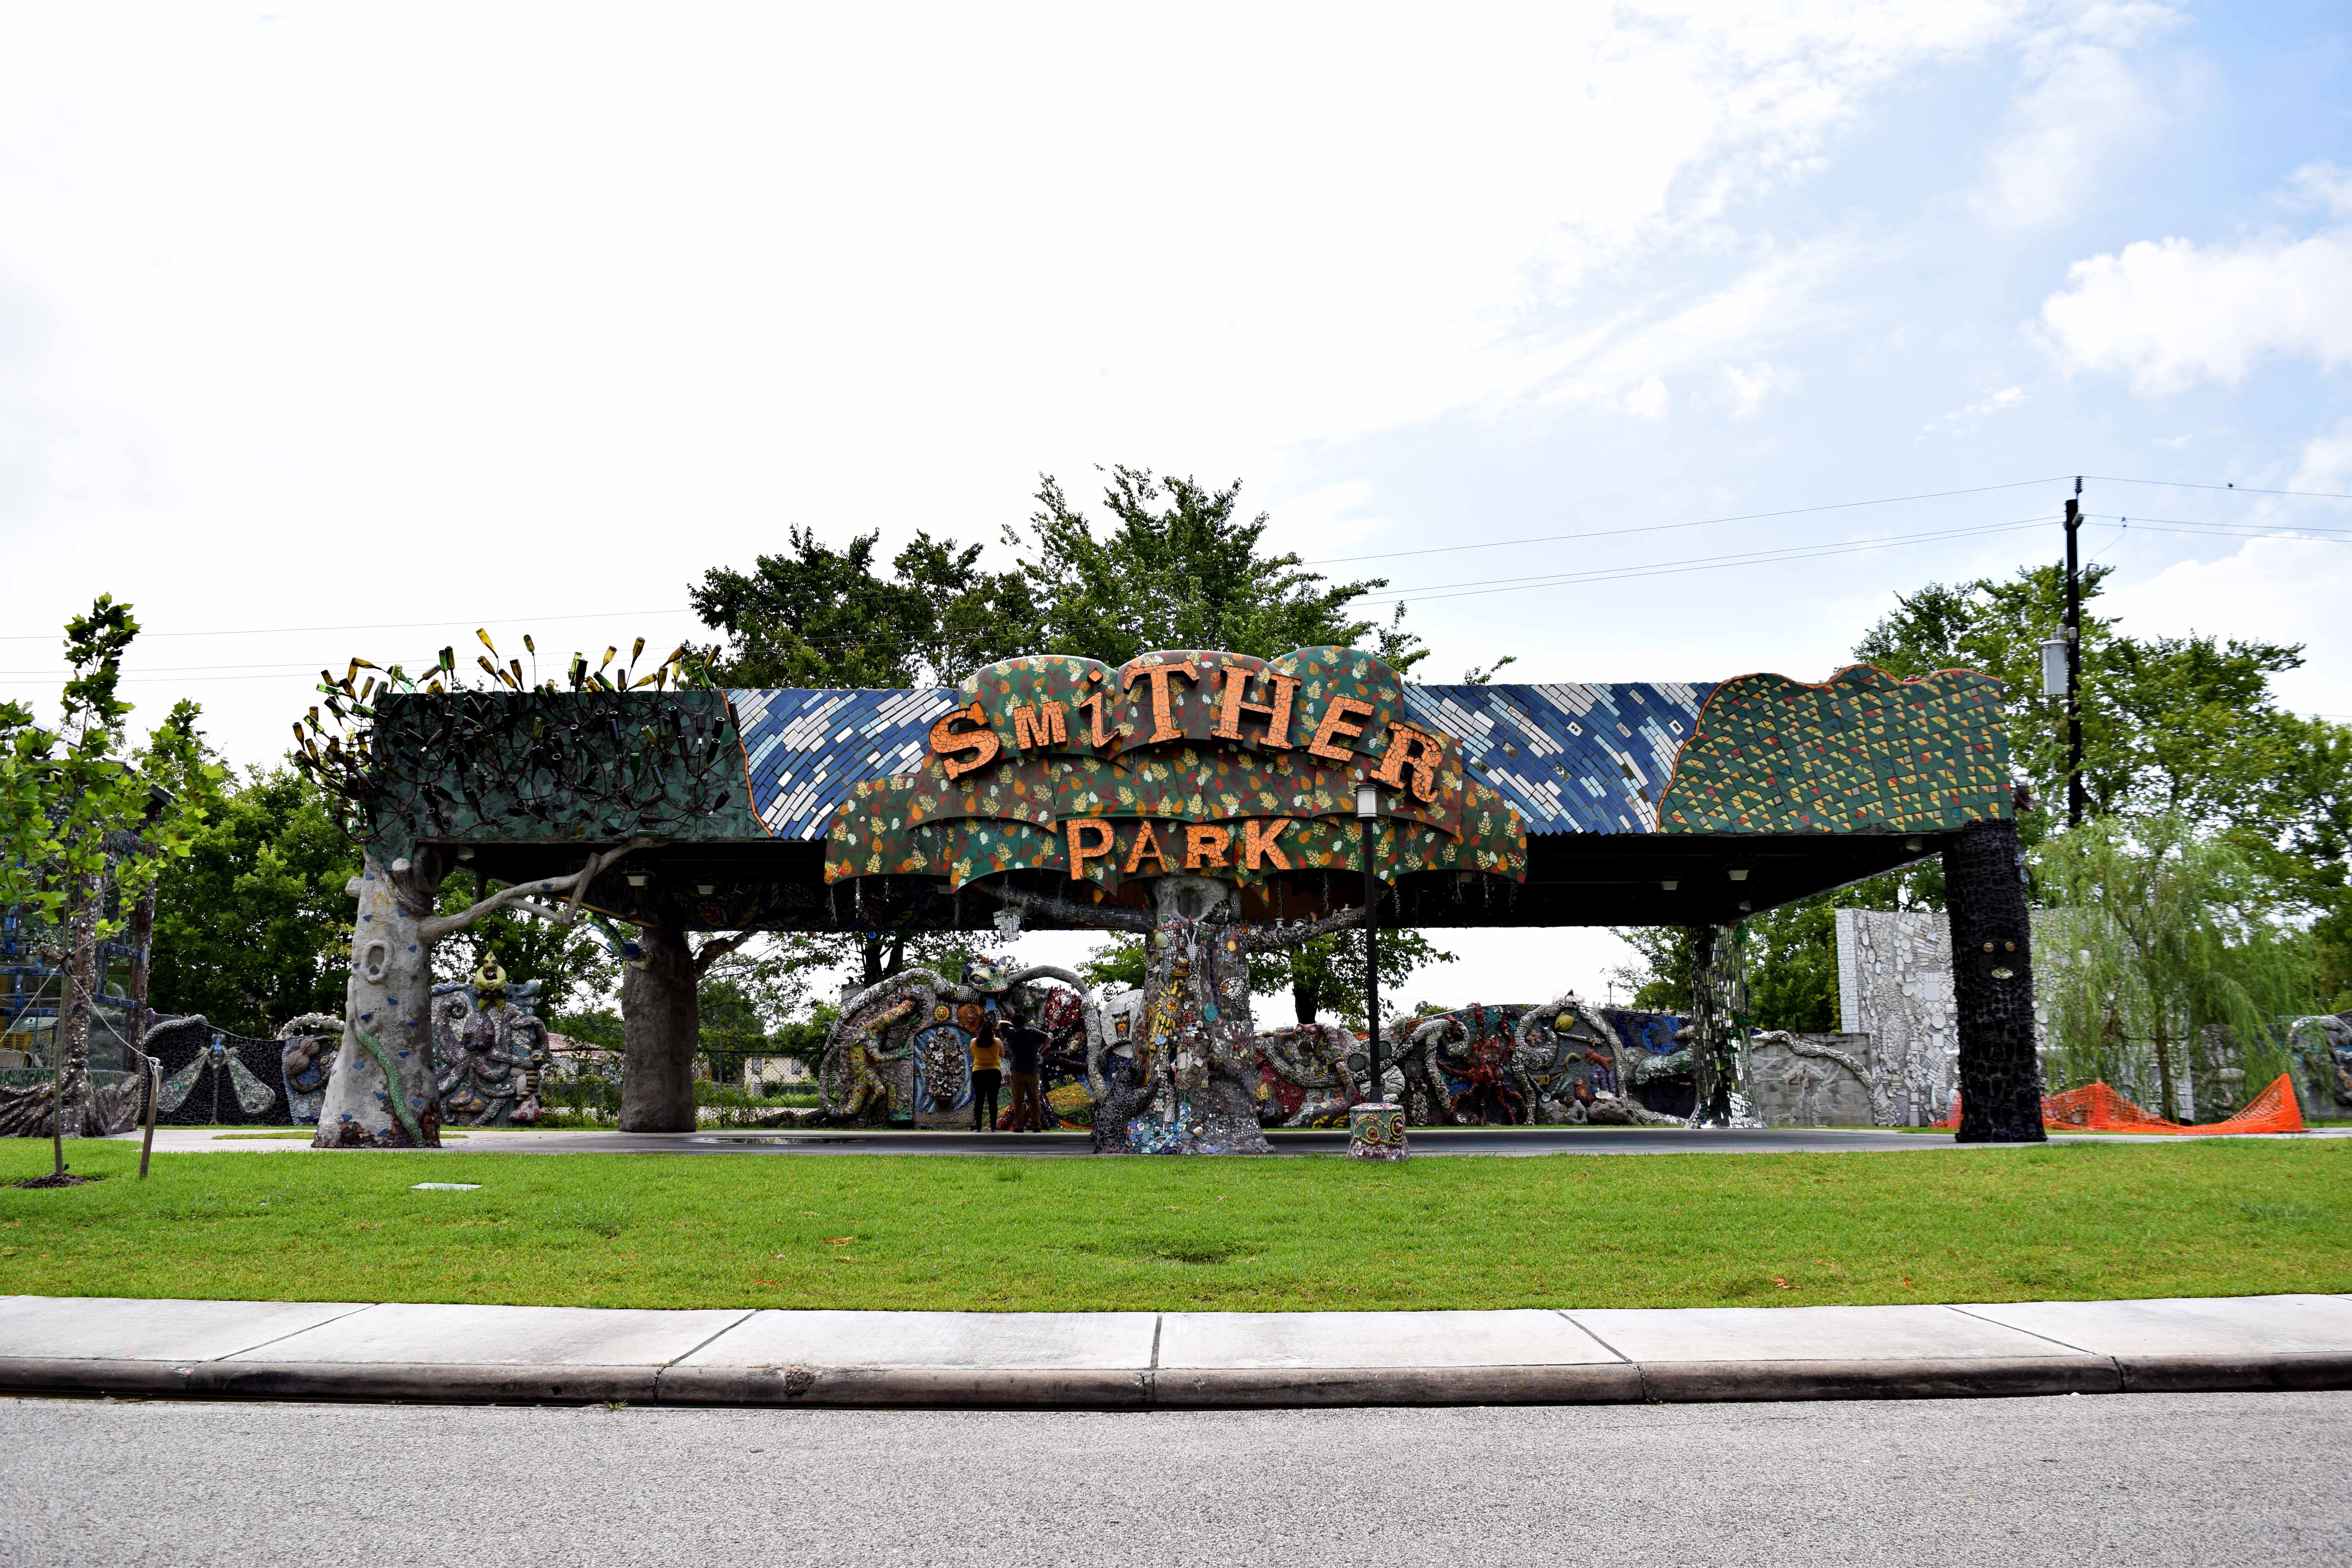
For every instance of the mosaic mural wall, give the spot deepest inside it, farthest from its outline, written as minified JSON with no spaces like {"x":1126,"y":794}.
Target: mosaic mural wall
{"x":1895,"y":985}
{"x":1862,"y":752}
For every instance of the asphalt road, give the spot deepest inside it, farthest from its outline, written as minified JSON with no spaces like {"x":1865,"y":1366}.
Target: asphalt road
{"x":2145,"y":1478}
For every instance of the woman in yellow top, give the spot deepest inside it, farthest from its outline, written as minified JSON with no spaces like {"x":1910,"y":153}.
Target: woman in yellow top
{"x":987,"y":1064}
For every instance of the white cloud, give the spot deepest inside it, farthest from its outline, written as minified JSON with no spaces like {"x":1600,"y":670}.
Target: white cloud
{"x":2327,"y":464}
{"x":1649,"y":400}
{"x":2000,"y":402}
{"x":2278,"y":590}
{"x":1746,"y":387}
{"x":2323,"y":186}
{"x":2082,"y":106}
{"x":2169,"y":312}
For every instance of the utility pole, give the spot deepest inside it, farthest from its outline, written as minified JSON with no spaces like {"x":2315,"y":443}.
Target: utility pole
{"x":2073,"y":661}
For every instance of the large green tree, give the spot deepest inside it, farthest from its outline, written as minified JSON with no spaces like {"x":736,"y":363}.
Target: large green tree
{"x":253,"y":927}
{"x":2181,"y":725}
{"x":814,"y":616}
{"x":1179,"y":566}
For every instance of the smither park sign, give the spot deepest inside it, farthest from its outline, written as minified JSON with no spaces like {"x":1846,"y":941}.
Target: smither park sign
{"x":1206,"y":798}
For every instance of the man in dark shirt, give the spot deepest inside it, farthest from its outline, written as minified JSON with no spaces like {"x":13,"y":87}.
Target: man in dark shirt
{"x":1023,"y":1045}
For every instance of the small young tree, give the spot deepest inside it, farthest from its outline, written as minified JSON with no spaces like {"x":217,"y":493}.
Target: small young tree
{"x":83,"y":820}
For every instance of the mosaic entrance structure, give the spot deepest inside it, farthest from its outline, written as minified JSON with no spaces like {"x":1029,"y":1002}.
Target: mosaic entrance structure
{"x":1207,"y":802}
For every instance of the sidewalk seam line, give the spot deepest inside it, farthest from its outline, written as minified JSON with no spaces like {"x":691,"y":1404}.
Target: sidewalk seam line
{"x":2045,"y":1338}
{"x":1596,"y":1339}
{"x":748,"y":1313}
{"x":294,"y":1333}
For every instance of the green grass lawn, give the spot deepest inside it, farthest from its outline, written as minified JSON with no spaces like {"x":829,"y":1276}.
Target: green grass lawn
{"x":2074,"y":1220}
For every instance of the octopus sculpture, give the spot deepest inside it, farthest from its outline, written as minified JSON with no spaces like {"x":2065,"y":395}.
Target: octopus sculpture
{"x":1305,"y":1076}
{"x":902,"y":1050}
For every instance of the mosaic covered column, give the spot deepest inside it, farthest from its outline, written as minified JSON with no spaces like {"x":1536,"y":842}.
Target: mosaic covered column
{"x":1992,"y":986}
{"x":1719,"y":1017}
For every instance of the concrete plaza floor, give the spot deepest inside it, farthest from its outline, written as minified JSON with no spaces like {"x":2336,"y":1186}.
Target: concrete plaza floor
{"x":405,"y":1351}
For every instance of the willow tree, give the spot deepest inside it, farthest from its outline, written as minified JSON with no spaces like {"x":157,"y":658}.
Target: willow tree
{"x":2164,"y":951}
{"x":413,"y":761}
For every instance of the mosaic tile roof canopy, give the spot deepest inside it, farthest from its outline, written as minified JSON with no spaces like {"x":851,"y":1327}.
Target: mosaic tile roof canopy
{"x":1861,"y":753}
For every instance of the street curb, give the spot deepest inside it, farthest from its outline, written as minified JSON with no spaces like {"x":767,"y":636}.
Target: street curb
{"x":871,"y":1388}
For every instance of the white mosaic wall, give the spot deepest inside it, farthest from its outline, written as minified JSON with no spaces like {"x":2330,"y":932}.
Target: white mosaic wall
{"x":1895,"y":984}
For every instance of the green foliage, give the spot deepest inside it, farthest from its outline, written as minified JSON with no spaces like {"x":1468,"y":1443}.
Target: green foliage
{"x":598,"y":1026}
{"x":571,"y":962}
{"x":1121,"y":961}
{"x":2163,"y":949}
{"x":822,"y":617}
{"x":1327,"y":974}
{"x":253,"y":926}
{"x":75,"y":812}
{"x":1178,"y":568}
{"x":1793,"y":978}
{"x":2171,"y":724}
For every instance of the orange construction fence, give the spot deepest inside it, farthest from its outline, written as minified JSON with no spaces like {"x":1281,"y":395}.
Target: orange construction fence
{"x":2096,"y":1108}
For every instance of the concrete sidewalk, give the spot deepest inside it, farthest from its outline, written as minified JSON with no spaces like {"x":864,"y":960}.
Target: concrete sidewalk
{"x":1132,"y":1361}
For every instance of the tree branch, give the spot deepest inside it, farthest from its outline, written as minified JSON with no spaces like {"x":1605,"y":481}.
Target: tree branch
{"x":1266,"y":938}
{"x":717,"y":949}
{"x":1102,"y":917}
{"x":524,"y":893}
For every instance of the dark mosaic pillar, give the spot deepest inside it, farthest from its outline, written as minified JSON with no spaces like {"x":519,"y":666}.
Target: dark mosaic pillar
{"x":661,"y":1024}
{"x":1992,"y":983}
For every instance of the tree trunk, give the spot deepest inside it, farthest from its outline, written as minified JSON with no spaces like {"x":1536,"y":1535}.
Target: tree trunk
{"x":661,"y":1019}
{"x":384,"y":1093}
{"x":1195,"y":1075}
{"x":71,"y":1041}
{"x":1992,"y":983}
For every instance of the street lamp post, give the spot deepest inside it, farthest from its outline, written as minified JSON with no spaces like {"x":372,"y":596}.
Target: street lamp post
{"x":1375,"y":1127}
{"x":1368,"y":817}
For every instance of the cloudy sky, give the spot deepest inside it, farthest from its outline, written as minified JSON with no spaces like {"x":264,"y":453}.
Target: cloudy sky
{"x":336,"y":329}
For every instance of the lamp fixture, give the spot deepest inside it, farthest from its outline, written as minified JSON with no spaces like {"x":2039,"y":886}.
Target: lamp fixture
{"x":1368,"y":800}
{"x":638,"y":878}
{"x":1915,"y":844}
{"x":1745,"y":905}
{"x":705,"y":888}
{"x":1738,"y":873}
{"x":465,"y":852}
{"x":1670,"y":884}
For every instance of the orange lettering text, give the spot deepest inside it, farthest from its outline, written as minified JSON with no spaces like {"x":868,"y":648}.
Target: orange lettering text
{"x":1336,"y":726}
{"x":947,"y":745}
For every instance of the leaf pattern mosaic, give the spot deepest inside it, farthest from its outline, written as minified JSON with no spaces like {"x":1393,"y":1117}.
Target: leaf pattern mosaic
{"x":1861,"y":753}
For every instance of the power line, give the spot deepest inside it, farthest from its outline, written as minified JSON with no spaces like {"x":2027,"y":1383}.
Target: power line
{"x":378,"y":626}
{"x":2229,"y":490}
{"x":1669,"y":527}
{"x":1707,"y":563}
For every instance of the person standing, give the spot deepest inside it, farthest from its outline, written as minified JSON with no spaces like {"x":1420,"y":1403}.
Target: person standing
{"x":1027,"y":1044}
{"x":986,"y":1063}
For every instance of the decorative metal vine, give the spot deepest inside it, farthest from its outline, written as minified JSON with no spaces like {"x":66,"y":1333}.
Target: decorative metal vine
{"x":599,"y":755}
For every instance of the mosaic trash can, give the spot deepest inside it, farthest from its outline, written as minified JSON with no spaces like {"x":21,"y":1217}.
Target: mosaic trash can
{"x":1376,"y":1131}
